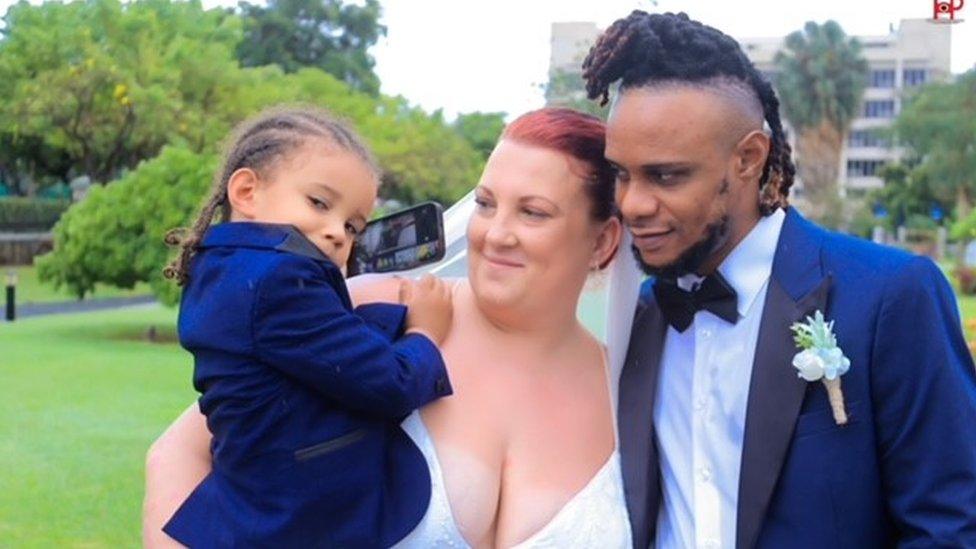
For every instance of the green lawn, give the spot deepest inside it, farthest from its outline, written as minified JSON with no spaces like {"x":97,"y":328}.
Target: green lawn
{"x":81,"y":398}
{"x":32,"y":290}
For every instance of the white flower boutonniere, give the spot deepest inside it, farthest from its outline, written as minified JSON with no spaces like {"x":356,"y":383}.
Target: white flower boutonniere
{"x":821,"y":359}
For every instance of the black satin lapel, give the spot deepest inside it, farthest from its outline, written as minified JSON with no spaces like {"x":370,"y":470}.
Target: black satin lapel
{"x":775,"y":397}
{"x":638,"y":455}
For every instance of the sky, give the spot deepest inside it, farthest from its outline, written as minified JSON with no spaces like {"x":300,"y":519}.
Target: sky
{"x":493,"y":56}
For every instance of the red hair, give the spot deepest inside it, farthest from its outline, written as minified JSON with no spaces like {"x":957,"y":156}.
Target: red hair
{"x":578,"y":135}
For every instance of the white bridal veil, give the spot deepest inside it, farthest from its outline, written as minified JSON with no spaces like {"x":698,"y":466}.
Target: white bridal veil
{"x":606,"y":309}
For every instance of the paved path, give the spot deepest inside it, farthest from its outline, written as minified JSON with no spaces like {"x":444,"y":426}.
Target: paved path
{"x":28,"y":310}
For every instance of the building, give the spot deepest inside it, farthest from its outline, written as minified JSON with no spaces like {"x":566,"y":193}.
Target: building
{"x":913,"y":54}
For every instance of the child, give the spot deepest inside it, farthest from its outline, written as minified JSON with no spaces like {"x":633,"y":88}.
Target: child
{"x":302,"y":394}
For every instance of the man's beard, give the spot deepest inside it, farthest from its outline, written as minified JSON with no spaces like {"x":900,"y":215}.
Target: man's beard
{"x":691,"y":259}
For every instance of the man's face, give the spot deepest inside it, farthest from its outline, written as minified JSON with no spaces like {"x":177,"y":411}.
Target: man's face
{"x":677,"y":186}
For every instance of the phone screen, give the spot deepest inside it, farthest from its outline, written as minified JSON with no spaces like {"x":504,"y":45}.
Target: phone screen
{"x":400,"y":241}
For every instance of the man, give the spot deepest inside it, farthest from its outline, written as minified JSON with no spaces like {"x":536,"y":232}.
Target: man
{"x":723,"y":444}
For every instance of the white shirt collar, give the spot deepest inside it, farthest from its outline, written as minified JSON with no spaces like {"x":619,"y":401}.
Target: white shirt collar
{"x":748,"y":266}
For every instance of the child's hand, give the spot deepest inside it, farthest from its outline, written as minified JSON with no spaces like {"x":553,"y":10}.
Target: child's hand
{"x":429,"y":306}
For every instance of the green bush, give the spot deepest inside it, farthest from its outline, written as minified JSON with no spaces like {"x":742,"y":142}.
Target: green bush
{"x":115,"y":235}
{"x":30,"y":214}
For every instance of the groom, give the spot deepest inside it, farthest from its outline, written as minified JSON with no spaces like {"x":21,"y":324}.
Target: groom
{"x":723,"y":444}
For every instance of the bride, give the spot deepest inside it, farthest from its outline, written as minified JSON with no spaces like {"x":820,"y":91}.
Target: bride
{"x":525,"y":453}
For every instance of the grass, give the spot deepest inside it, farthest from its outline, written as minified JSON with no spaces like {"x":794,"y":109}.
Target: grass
{"x":31,"y":290}
{"x":81,"y":399}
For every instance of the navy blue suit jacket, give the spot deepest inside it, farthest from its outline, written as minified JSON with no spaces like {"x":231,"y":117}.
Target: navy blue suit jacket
{"x":901,"y":473}
{"x":303,"y":397}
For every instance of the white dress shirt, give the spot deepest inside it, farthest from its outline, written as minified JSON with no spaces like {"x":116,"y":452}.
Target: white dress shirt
{"x":700,"y":409}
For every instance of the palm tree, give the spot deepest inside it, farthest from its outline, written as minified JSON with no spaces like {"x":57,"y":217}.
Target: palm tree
{"x":821,"y":79}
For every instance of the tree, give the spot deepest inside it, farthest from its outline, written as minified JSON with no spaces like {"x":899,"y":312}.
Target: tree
{"x":100,"y":88}
{"x":821,"y":79}
{"x":481,"y":130}
{"x":938,"y":125}
{"x":116,"y":234}
{"x":108,"y":84}
{"x":567,"y":89}
{"x":327,"y":34}
{"x":423,"y":157}
{"x":909,"y":192}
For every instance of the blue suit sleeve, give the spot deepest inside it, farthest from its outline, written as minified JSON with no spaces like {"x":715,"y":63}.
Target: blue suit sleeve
{"x":302,"y":328}
{"x":924,"y":394}
{"x":386,"y":318}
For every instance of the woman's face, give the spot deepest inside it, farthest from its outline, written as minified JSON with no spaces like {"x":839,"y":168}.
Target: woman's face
{"x":532,"y":239}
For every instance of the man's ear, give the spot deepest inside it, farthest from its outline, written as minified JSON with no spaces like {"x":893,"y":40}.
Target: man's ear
{"x":751,"y":153}
{"x":241,"y":193}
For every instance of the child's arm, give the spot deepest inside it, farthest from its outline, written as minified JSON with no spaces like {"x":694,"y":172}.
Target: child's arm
{"x":302,"y":328}
{"x":388,"y":319}
{"x":376,"y":298}
{"x":175,"y":464}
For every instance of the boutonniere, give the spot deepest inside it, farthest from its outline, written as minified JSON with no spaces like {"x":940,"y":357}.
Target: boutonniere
{"x":821,"y":359}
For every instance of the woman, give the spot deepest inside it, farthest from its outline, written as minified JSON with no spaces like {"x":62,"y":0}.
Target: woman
{"x":524,"y":453}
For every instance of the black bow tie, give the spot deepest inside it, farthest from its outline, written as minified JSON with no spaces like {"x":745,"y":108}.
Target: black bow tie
{"x":679,"y":306}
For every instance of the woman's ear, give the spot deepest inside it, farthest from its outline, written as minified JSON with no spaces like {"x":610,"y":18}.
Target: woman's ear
{"x":607,"y":243}
{"x":242,"y":194}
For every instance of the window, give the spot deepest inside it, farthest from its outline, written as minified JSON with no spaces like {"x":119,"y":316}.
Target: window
{"x":866,"y":138}
{"x":913,"y":77}
{"x":881,"y":78}
{"x":879,"y":109}
{"x":863,"y":168}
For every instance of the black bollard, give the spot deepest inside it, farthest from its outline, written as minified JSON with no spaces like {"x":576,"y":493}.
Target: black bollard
{"x":11,"y":296}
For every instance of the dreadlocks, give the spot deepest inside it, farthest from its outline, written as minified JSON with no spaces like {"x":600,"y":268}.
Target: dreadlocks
{"x":649,"y":49}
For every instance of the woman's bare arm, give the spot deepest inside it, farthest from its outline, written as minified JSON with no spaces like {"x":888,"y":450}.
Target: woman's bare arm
{"x":175,"y":464}
{"x":373,"y":288}
{"x":378,"y":288}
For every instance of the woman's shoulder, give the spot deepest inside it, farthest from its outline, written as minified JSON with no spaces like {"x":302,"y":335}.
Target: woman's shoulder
{"x":380,"y":288}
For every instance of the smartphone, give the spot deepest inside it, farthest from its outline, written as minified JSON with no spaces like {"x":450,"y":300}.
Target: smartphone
{"x":400,"y":241}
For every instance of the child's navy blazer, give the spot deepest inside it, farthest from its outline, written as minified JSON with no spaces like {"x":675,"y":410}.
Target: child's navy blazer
{"x":303,"y":396}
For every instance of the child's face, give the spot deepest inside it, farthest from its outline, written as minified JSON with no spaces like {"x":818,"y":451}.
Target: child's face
{"x":324,"y":191}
